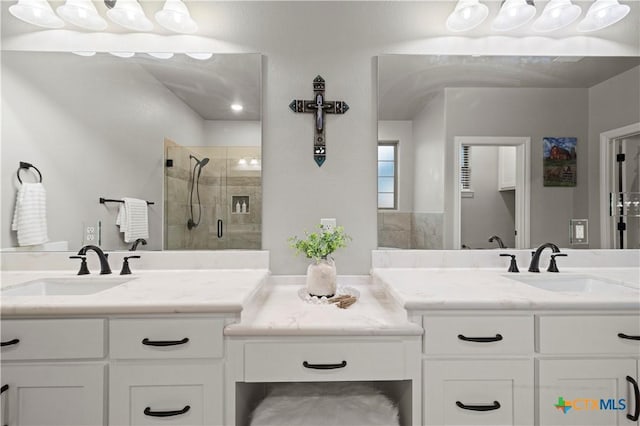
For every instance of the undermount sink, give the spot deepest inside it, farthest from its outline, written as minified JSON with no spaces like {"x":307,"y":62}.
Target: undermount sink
{"x":575,"y":284}
{"x":76,"y":286}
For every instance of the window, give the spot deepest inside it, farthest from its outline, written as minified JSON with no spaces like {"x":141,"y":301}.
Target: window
{"x":465,"y":168}
{"x":387,"y":175}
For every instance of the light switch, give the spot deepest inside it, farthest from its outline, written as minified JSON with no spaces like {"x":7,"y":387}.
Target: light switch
{"x":579,"y":233}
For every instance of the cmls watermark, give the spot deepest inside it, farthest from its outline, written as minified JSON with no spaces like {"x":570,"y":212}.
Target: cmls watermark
{"x":588,"y":404}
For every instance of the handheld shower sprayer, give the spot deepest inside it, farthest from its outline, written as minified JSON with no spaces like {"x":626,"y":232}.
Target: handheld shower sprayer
{"x":195,"y":181}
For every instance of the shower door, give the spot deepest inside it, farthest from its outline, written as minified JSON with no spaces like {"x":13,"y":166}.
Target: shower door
{"x":218,"y":190}
{"x":625,"y":207}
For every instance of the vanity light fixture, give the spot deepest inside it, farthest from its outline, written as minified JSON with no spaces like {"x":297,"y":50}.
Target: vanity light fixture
{"x":36,"y":12}
{"x":513,"y":14}
{"x":253,"y":162}
{"x":83,"y":14}
{"x":556,"y":14}
{"x":237,"y":107}
{"x":128,"y":14}
{"x":175,"y":17}
{"x":242,"y":162}
{"x":123,"y":54}
{"x":602,"y":14}
{"x":467,"y":15}
{"x":201,"y":56}
{"x":161,"y":55}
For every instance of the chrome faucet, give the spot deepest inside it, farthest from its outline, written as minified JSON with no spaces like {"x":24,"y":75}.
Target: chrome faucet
{"x":498,"y":240}
{"x":535,"y":260}
{"x":136,"y":242}
{"x":104,"y":263}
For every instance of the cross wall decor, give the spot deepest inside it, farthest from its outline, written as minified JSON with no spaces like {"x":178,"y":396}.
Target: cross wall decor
{"x":319,"y":106}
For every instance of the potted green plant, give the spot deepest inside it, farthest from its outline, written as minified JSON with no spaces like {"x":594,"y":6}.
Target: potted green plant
{"x":318,"y":246}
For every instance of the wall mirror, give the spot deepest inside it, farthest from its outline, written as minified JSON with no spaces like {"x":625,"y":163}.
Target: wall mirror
{"x":461,"y":141}
{"x":148,"y":127}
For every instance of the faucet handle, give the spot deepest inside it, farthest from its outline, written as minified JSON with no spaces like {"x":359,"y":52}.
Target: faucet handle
{"x":553,"y":266}
{"x":125,"y":265}
{"x":513,"y":266}
{"x":84,"y":270}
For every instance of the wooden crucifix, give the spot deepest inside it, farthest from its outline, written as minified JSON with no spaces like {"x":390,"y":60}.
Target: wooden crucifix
{"x":319,"y":106}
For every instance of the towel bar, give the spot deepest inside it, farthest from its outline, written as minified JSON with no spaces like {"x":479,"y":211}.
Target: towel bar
{"x":107,"y":200}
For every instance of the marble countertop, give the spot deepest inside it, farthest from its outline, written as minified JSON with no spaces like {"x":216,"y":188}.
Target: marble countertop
{"x":148,"y":292}
{"x":491,"y":288}
{"x":280,"y":310}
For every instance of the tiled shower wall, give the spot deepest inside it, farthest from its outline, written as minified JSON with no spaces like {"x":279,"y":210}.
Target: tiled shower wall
{"x":410,"y":230}
{"x":220,"y":180}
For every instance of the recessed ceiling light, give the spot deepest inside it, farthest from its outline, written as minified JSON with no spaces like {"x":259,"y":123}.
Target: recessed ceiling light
{"x":84,"y":53}
{"x":161,"y":55}
{"x":201,"y":56}
{"x":175,"y":17}
{"x":123,"y":54}
{"x":237,"y":107}
{"x":36,"y":12}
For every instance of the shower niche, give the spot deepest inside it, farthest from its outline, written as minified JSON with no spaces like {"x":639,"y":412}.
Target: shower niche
{"x":204,"y":186}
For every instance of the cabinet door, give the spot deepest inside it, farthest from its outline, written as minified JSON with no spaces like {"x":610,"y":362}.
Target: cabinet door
{"x":586,"y":392}
{"x":491,"y":392}
{"x":506,"y":168}
{"x":166,"y":393}
{"x":53,"y":395}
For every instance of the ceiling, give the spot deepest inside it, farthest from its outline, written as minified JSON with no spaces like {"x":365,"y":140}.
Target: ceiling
{"x":406,"y":83}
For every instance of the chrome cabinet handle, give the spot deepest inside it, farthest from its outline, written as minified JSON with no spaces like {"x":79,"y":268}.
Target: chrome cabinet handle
{"x":148,"y":342}
{"x":343,"y":364}
{"x":151,"y":413}
{"x":497,"y":338}
{"x":490,"y":407}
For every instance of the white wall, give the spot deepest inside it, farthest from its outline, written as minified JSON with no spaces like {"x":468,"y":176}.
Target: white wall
{"x":612,"y":104}
{"x":290,"y":35}
{"x":489,"y":212}
{"x":232,"y":133}
{"x":400,"y":131}
{"x":534,"y":113}
{"x":76,"y":143}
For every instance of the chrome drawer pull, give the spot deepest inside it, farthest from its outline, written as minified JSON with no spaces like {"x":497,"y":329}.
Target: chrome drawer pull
{"x":480,"y":339}
{"x":10,"y":342}
{"x":148,"y":412}
{"x":491,"y":407}
{"x":148,"y":342}
{"x":343,"y":364}
{"x":626,"y":336}
{"x":636,"y":392}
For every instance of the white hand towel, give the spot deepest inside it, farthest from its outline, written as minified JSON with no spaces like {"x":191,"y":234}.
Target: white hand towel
{"x":133,"y":219}
{"x":30,"y":215}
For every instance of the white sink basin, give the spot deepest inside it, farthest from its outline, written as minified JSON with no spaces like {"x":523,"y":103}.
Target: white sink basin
{"x":575,"y":284}
{"x":63,"y":286}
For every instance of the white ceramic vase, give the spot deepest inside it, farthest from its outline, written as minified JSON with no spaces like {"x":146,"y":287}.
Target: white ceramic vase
{"x":321,"y":278}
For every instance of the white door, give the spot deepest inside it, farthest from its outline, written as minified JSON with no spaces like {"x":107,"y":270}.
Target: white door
{"x":586,"y":392}
{"x":53,"y":395}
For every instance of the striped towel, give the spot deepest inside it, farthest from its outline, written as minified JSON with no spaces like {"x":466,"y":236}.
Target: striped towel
{"x":30,"y":215}
{"x":133,"y":219}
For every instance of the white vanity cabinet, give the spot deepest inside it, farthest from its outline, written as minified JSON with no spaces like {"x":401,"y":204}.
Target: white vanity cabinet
{"x":53,"y":372}
{"x":478,"y":370}
{"x":166,"y":371}
{"x":590,"y":365}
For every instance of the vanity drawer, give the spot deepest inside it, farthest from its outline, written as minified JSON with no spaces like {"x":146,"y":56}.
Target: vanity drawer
{"x":310,"y":362}
{"x":589,"y":334}
{"x":159,"y":338}
{"x":52,"y":339}
{"x":457,"y":335}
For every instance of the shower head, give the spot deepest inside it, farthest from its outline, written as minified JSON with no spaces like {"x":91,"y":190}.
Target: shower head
{"x":200,"y":163}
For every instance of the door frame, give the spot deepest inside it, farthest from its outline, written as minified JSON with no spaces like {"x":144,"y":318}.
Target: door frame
{"x":607,"y":177}
{"x":523,"y":182}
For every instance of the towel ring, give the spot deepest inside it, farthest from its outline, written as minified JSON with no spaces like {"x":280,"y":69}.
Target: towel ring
{"x":25,"y":165}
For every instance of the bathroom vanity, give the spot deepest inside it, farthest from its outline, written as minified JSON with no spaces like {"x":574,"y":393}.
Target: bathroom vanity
{"x":448,"y":341}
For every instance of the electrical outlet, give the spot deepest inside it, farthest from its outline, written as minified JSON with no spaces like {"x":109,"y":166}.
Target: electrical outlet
{"x":328,"y":223}
{"x":91,"y":233}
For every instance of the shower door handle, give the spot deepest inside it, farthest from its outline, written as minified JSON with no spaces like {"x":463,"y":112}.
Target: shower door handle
{"x":220,"y":231}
